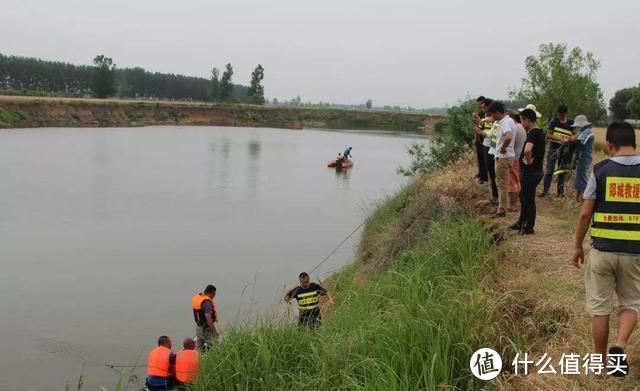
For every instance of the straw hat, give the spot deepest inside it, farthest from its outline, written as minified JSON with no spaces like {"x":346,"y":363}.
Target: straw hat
{"x":531,"y":106}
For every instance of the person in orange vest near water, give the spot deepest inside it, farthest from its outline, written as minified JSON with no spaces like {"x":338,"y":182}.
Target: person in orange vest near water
{"x":187,"y":365}
{"x":205,"y":314}
{"x":160,"y":366}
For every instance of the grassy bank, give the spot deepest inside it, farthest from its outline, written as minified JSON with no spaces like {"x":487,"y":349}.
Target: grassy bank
{"x":408,"y":313}
{"x":21,"y":112}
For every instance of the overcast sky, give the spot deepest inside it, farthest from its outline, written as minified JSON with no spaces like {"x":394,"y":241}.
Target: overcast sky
{"x":398,"y":52}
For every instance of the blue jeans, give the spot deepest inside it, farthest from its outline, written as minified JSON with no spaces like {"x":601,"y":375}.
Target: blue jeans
{"x":551,"y":166}
{"x":583,"y":164}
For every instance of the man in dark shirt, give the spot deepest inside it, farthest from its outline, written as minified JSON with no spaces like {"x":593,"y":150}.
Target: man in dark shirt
{"x":558,"y":133}
{"x":530,"y":172}
{"x":478,"y":139}
{"x":308,"y":295}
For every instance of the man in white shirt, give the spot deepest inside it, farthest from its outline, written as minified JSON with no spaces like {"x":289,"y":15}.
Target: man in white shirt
{"x":505,"y":154}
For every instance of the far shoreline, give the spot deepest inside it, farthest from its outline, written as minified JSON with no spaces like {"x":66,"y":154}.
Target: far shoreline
{"x":34,"y":112}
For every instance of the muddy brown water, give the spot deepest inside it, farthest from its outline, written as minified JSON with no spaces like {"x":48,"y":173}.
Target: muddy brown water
{"x":106,"y":233}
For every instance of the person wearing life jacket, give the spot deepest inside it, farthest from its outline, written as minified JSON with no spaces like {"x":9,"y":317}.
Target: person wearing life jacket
{"x":187,"y":365}
{"x":205,"y":315}
{"x":160,"y":366}
{"x":558,"y":133}
{"x":612,"y":207}
{"x":307,"y":294}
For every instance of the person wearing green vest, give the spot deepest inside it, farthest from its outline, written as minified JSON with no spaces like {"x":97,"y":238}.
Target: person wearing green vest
{"x":612,"y":207}
{"x":558,"y":132}
{"x":307,"y":294}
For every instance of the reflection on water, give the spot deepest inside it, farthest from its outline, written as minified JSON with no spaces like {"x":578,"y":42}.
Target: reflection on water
{"x":342,"y":177}
{"x":121,"y":226}
{"x":253,"y":167}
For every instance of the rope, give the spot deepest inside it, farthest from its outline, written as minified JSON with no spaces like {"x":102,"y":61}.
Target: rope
{"x":336,"y":249}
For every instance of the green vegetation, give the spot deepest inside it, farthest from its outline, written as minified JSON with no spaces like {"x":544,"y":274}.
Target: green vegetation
{"x":226,"y":85}
{"x":619,"y":104}
{"x":411,"y":325}
{"x":452,"y":139}
{"x":559,"y":75}
{"x":62,"y":79}
{"x":256,"y":90}
{"x":103,"y":77}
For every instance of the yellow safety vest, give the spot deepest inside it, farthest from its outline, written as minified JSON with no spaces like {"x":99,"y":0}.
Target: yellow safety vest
{"x":308,"y":301}
{"x":486,"y":124}
{"x":561,"y":133}
{"x":616,"y":219}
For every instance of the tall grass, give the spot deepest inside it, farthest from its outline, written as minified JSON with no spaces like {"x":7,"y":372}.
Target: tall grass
{"x":411,"y":326}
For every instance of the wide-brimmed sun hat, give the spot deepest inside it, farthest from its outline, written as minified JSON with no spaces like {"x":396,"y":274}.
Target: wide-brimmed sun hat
{"x":581,"y":121}
{"x":531,"y":106}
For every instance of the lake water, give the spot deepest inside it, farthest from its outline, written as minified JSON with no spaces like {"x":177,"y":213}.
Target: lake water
{"x":105,"y":234}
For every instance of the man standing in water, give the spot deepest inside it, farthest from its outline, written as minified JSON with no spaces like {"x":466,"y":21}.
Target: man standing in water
{"x":308,"y":296}
{"x":205,"y":316}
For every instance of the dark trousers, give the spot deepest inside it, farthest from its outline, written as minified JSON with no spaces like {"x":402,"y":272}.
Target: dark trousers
{"x":490,"y":165}
{"x":552,"y":159}
{"x":528,"y":183}
{"x":309,"y":319}
{"x":482,"y":170}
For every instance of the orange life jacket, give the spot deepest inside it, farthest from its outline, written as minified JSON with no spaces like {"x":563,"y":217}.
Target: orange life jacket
{"x":187,"y":366}
{"x":198,"y":312}
{"x":158,"y":362}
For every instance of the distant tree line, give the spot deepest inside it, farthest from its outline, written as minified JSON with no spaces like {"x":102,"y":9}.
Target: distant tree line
{"x":32,"y":76}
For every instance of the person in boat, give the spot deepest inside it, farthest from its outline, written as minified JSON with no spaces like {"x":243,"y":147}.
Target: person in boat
{"x":346,"y":155}
{"x":339,"y":158}
{"x":308,"y":295}
{"x":161,"y":366}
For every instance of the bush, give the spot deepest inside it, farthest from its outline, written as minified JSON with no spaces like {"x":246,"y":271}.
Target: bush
{"x":446,"y":146}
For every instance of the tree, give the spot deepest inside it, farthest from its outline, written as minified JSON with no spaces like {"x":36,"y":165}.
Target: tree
{"x":618,"y":104}
{"x":446,"y":146}
{"x":214,"y":91}
{"x":633,"y":105}
{"x":103,"y":76}
{"x":256,"y":90}
{"x":226,"y":86}
{"x":369,"y":104}
{"x":559,"y":75}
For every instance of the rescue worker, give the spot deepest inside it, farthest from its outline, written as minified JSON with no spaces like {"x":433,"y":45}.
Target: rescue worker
{"x":479,"y":135}
{"x":558,"y":133}
{"x":612,"y":207}
{"x":160,"y":366}
{"x":187,"y":365}
{"x":205,"y":314}
{"x":307,"y":294}
{"x":486,"y":128}
{"x":347,"y":154}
